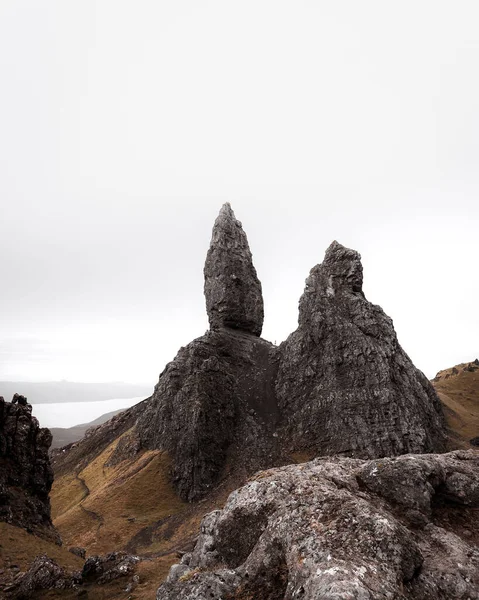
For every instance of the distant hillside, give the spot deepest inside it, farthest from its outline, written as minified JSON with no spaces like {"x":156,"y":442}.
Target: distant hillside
{"x":458,"y":389}
{"x":69,"y":391}
{"x":63,"y":436}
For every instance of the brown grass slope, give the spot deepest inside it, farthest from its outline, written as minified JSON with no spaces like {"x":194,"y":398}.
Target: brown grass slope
{"x":458,"y":389}
{"x":129,"y":506}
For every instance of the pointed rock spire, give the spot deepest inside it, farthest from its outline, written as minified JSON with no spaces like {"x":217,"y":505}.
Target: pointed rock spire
{"x":345,"y":385}
{"x":232,"y":289}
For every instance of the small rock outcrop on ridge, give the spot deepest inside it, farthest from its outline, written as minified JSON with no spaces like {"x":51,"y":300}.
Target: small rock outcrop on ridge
{"x":26,"y":475}
{"x":232,"y":289}
{"x":345,"y":385}
{"x":399,"y":528}
{"x":339,"y":384}
{"x":46,"y":574}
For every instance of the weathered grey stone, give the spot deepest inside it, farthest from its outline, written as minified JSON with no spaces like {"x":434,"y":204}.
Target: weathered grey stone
{"x":232,"y":289}
{"x":332,"y":529}
{"x":344,"y":385}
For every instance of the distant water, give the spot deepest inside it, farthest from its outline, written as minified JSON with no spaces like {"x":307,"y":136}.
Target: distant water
{"x":68,"y":414}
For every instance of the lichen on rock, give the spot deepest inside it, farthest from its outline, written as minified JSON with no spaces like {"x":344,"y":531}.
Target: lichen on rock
{"x":332,"y":528}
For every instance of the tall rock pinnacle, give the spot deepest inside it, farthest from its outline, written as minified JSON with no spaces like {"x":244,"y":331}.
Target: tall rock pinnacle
{"x":232,"y":289}
{"x":345,"y":385}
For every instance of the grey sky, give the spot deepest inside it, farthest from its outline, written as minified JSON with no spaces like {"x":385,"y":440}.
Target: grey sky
{"x":124,"y":126}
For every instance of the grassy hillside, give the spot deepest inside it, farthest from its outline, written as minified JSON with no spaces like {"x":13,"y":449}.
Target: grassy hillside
{"x":102,"y":508}
{"x":458,"y":389}
{"x":130,"y":506}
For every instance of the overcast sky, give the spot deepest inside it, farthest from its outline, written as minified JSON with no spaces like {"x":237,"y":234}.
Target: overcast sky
{"x":124,"y":126}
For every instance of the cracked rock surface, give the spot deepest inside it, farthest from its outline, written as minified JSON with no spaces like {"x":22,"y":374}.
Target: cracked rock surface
{"x":341,"y":528}
{"x":345,"y":385}
{"x":232,"y":289}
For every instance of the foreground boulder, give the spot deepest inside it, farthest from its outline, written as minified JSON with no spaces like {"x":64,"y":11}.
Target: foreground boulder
{"x":26,"y":475}
{"x":341,"y":528}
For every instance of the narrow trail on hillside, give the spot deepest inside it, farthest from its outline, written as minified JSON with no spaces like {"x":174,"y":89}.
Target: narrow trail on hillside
{"x":91,"y":513}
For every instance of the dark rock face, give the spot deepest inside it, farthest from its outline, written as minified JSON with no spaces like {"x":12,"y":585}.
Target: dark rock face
{"x":26,"y":475}
{"x":398,"y":528}
{"x":340,"y":383}
{"x":344,"y":383}
{"x":215,"y":400}
{"x":232,"y":289}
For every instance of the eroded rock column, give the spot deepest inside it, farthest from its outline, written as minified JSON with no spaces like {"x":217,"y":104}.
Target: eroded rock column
{"x":232,"y":289}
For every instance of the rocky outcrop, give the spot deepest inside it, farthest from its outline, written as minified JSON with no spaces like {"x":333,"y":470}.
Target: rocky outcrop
{"x":340,"y":384}
{"x":397,"y":528}
{"x":345,"y":385}
{"x":26,"y":475}
{"x":214,"y":402}
{"x":103,"y":569}
{"x":232,"y":289}
{"x":44,"y":574}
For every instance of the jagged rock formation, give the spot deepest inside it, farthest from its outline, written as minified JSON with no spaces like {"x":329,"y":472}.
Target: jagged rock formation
{"x":216,"y":399}
{"x":340,"y":383}
{"x":345,"y":385}
{"x":401,"y":528}
{"x":26,"y":475}
{"x":232,"y":289}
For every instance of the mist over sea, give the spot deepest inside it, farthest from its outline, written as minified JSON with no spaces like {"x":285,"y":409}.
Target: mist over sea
{"x":69,"y":414}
